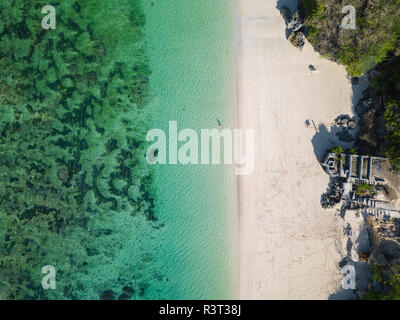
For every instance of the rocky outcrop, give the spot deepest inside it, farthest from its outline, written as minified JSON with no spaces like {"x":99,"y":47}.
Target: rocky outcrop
{"x":296,"y":39}
{"x":333,"y":196}
{"x":295,"y":23}
{"x":294,"y":26}
{"x":345,"y":121}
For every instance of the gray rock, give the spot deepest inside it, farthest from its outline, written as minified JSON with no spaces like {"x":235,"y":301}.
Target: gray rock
{"x":351,"y":125}
{"x":334,"y":196}
{"x":295,"y":24}
{"x":344,"y":122}
{"x":297,"y":39}
{"x":312,"y":68}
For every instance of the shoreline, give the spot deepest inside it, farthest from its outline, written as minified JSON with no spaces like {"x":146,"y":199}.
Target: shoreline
{"x":192,"y":83}
{"x":289,"y":247}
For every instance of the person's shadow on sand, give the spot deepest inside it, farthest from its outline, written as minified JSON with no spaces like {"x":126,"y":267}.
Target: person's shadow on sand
{"x":322,"y":141}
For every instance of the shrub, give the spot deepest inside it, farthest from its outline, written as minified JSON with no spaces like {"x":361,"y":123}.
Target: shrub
{"x":336,"y":149}
{"x":375,"y":37}
{"x":364,"y":190}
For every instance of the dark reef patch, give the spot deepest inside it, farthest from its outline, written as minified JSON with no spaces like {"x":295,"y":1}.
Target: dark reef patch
{"x":74,"y":184}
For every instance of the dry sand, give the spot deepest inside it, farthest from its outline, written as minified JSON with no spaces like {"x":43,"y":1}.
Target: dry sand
{"x":289,"y":246}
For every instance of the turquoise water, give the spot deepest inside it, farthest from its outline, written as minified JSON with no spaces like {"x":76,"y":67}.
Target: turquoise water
{"x":191,"y":50}
{"x":76,"y":191}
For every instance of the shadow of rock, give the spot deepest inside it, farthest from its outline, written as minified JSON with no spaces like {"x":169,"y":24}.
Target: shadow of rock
{"x":328,"y":189}
{"x":343,"y":294}
{"x":390,"y":249}
{"x":325,"y":138}
{"x":321,"y":141}
{"x":364,"y":240}
{"x":369,"y":110}
{"x":290,"y":4}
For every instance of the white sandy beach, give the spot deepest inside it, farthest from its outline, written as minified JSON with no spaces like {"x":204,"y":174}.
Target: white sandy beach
{"x":289,"y":246}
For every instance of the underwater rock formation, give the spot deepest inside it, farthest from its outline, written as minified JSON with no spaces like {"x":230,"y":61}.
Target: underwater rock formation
{"x":75,"y":188}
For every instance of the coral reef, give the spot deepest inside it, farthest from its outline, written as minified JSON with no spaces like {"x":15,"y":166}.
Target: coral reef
{"x":75,"y":189}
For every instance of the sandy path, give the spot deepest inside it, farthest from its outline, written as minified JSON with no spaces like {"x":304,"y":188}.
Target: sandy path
{"x":288,"y":244}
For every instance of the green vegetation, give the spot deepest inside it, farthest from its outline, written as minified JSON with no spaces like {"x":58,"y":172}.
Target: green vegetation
{"x":75,"y":188}
{"x":374,"y":42}
{"x":313,"y":8}
{"x":336,"y":149}
{"x":353,"y":151}
{"x":391,"y":283}
{"x":364,"y":190}
{"x":376,"y":34}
